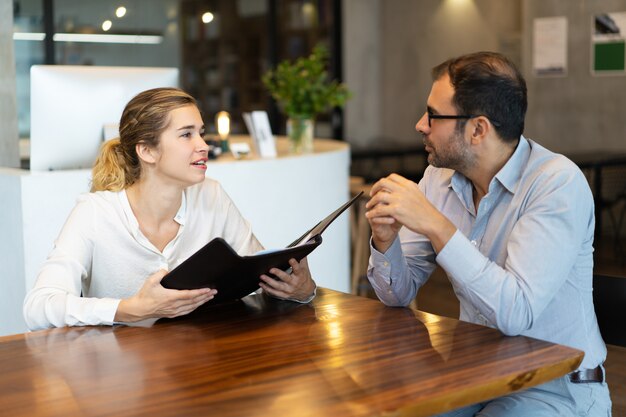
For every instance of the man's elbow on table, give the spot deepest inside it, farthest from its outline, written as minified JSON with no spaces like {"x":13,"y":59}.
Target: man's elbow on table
{"x":514,"y":322}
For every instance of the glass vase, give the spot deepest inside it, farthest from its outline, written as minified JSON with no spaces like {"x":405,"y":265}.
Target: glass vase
{"x":300,"y":133}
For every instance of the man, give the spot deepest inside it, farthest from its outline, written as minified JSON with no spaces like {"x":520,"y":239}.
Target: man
{"x":510,"y":222}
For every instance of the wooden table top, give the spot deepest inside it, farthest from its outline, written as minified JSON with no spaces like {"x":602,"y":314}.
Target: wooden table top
{"x":341,"y":355}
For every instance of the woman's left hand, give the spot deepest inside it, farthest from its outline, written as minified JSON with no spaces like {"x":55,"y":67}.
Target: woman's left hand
{"x":298,"y":285}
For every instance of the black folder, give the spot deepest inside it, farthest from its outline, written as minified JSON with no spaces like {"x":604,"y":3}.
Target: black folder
{"x":217,"y":265}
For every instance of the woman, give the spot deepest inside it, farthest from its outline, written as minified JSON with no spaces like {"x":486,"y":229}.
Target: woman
{"x":150,"y":208}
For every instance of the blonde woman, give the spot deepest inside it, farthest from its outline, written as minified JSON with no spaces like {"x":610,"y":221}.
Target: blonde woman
{"x":150,"y":208}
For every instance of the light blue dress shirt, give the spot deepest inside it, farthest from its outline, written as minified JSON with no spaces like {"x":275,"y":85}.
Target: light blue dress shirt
{"x":522,"y":264}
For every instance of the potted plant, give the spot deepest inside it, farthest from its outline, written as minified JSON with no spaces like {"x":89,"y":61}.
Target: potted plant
{"x":303,"y":89}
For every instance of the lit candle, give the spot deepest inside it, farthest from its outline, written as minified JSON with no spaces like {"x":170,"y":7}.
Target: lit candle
{"x":222,"y":120}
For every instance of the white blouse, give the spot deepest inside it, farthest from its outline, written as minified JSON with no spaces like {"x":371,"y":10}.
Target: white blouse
{"x":102,"y":254}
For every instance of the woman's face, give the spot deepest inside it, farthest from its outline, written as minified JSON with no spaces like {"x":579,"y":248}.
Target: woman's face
{"x":181,"y":155}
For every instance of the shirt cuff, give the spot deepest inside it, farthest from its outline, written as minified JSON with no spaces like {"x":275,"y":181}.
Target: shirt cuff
{"x":91,"y":311}
{"x":106,"y":310}
{"x":382,"y":262}
{"x":308,"y":300}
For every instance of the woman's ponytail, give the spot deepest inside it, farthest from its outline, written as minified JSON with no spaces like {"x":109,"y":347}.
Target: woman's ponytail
{"x":108,"y":173}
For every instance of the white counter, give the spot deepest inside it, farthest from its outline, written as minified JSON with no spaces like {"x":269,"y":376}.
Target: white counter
{"x":281,"y":197}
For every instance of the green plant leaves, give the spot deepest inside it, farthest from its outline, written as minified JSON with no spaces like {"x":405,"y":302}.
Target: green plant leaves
{"x":303,"y":88}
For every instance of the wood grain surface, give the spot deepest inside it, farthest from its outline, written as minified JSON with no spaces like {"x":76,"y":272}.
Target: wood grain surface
{"x":341,"y":355}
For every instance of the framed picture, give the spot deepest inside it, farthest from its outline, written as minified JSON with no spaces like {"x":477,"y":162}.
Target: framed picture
{"x":608,"y":44}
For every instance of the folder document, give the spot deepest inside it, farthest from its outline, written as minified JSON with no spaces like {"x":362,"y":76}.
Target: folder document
{"x":217,"y":265}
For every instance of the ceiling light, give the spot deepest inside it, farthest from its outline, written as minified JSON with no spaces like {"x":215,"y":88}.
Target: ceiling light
{"x":120,"y":11}
{"x":106,"y":25}
{"x":102,"y":38}
{"x":29,"y":36}
{"x":207,"y":17}
{"x":90,"y":37}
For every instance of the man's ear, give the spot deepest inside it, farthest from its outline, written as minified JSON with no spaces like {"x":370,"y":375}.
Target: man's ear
{"x":480,"y":128}
{"x":146,"y":153}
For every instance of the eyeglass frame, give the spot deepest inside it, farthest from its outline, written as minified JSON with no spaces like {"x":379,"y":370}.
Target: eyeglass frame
{"x":432,"y":115}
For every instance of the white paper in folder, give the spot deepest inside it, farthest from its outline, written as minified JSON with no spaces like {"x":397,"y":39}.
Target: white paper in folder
{"x":258,"y":125}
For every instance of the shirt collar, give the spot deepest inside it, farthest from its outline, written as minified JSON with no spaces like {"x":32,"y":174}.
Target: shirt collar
{"x":179,"y":218}
{"x":128,"y":212}
{"x":509,"y":175}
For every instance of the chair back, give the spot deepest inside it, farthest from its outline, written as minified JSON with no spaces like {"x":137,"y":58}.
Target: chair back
{"x":609,"y":299}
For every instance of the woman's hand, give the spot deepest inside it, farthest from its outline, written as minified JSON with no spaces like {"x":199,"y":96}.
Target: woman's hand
{"x":297,"y":285}
{"x":155,"y":301}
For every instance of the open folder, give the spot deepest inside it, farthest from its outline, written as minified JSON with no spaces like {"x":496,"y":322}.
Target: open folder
{"x":216,"y":265}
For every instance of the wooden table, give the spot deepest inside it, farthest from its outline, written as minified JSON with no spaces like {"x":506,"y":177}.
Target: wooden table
{"x":341,"y":355}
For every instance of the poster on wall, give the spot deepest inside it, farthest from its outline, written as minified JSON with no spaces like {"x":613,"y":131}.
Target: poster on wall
{"x":608,"y":44}
{"x":550,"y":46}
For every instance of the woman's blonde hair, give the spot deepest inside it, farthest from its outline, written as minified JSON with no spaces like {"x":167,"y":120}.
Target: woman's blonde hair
{"x":143,"y":120}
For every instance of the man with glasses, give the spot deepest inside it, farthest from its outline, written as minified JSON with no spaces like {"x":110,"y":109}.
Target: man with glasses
{"x":511,"y":224}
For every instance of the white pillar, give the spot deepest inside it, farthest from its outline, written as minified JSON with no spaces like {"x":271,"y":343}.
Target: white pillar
{"x":9,"y":145}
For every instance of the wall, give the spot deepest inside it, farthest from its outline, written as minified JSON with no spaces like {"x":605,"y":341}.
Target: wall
{"x":419,"y":35}
{"x":362,"y":70}
{"x":12,"y":289}
{"x":9,"y":153}
{"x":413,"y":36}
{"x":579,"y":111}
{"x":399,"y":47}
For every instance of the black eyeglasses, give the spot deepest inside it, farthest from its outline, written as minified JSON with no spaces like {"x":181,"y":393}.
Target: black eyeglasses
{"x":448,"y":116}
{"x":456,"y":117}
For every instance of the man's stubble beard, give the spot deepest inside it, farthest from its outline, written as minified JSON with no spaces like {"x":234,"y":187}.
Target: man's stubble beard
{"x":456,"y":156}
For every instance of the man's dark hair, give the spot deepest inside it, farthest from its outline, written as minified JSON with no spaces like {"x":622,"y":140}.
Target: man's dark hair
{"x":488,"y":84}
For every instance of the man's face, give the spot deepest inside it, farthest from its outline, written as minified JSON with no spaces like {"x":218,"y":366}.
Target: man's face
{"x":447,"y":147}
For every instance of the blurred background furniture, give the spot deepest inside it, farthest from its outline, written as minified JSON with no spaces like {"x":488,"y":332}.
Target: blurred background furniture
{"x":374,"y":163}
{"x":609,"y":299}
{"x":606,"y":173}
{"x":360,"y":234}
